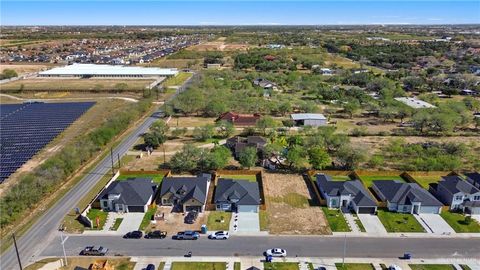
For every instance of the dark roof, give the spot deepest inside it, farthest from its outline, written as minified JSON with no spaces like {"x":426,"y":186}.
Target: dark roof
{"x":405,"y":193}
{"x":186,"y":188}
{"x":474,"y":176}
{"x":455,"y":184}
{"x":133,"y":191}
{"x":229,"y":190}
{"x":361,"y":196}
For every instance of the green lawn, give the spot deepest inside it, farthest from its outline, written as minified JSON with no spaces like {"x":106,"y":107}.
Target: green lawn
{"x":177,"y":80}
{"x":214,"y":224}
{"x":431,"y":267}
{"x":280,"y":266}
{"x":457,"y":222}
{"x":237,"y":266}
{"x":465,"y":267}
{"x":157,"y":178}
{"x":249,"y":177}
{"x":368,"y":179}
{"x":263,"y":218}
{"x":93,"y":214}
{"x":425,"y":180}
{"x":336,"y":220}
{"x":161,"y":265}
{"x":199,"y":266}
{"x":354,"y":266}
{"x":116,"y":224}
{"x":340,"y":177}
{"x":359,"y":223}
{"x":399,"y":222}
{"x":292,"y":199}
{"x":147,"y":218}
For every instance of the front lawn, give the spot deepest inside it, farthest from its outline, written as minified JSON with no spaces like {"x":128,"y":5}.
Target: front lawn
{"x":116,"y":224}
{"x":368,"y":179}
{"x":354,"y":266}
{"x":431,"y":267}
{"x":263,"y":218}
{"x":249,"y":177}
{"x":156,"y":178}
{"x":399,"y":222}
{"x":199,"y":266}
{"x":214,"y":224}
{"x":280,"y":266}
{"x":102,"y":218}
{"x":457,"y":222}
{"x":147,"y":218}
{"x":336,"y":220}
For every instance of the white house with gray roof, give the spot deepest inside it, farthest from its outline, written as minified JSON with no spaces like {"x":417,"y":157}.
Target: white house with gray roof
{"x":346,"y":194}
{"x":406,"y":197}
{"x":237,"y":196}
{"x":458,"y":194}
{"x":131,"y":195}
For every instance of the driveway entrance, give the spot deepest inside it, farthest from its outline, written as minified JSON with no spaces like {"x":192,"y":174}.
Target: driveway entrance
{"x":246,"y":222}
{"x":372,"y":224}
{"x":434,"y":223}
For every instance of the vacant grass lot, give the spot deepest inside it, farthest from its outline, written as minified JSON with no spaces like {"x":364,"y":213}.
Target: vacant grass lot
{"x":292,"y":199}
{"x":368,"y":179}
{"x":280,"y":266}
{"x":199,"y":266}
{"x":102,"y":216}
{"x":214,"y":224}
{"x":354,"y":266}
{"x":431,"y":267}
{"x":399,"y":222}
{"x":336,"y":220}
{"x":457,"y":222}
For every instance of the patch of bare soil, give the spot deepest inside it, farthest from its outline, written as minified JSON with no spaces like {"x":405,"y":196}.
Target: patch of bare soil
{"x":173,"y":222}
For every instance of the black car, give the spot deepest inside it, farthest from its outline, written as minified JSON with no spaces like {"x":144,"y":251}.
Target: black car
{"x":133,"y":235}
{"x":150,"y":267}
{"x":156,"y":235}
{"x":191,"y":217}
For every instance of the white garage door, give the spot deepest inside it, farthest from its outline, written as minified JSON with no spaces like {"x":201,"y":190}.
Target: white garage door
{"x":248,"y":208}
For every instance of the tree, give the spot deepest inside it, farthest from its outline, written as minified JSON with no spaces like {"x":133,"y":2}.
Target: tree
{"x":8,"y":73}
{"x":350,"y":157}
{"x":190,"y":101}
{"x":225,"y":128}
{"x":351,"y":107}
{"x":217,"y":158}
{"x":476,"y":120}
{"x":204,"y":133}
{"x":187,"y":159}
{"x":318,"y":158}
{"x":404,"y":112}
{"x":157,"y":135}
{"x":248,"y":157}
{"x":264,"y":123}
{"x":285,"y":108}
{"x":296,"y":157}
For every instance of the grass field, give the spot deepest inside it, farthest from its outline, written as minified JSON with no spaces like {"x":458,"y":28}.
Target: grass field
{"x":457,"y":222}
{"x":199,"y":266}
{"x":157,"y":178}
{"x":24,"y":68}
{"x":399,"y":222}
{"x":280,"y":266}
{"x":292,"y":199}
{"x":214,"y":224}
{"x":354,"y":266}
{"x":75,"y":263}
{"x":94,"y":85}
{"x":431,"y":266}
{"x":368,"y":179}
{"x":424,"y":179}
{"x":336,"y":220}
{"x":251,"y":178}
{"x":177,"y":80}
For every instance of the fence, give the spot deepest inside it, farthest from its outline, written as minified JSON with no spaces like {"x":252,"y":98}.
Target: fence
{"x":313,"y":186}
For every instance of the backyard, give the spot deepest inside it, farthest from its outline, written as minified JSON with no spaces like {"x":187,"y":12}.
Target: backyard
{"x":399,"y":222}
{"x":156,"y":178}
{"x":458,"y":223}
{"x":249,"y":177}
{"x":368,"y":179}
{"x":424,"y":179}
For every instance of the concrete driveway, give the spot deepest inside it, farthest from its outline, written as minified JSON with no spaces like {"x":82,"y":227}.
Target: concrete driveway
{"x":476,"y":217}
{"x":246,"y":222}
{"x":372,"y":224}
{"x":434,"y":223}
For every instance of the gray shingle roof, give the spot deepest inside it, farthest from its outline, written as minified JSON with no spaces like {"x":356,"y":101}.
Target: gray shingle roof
{"x":405,"y":193}
{"x":246,"y":192}
{"x":360,"y":195}
{"x":474,"y":176}
{"x":133,"y":191}
{"x":186,"y":188}
{"x":456,"y":184}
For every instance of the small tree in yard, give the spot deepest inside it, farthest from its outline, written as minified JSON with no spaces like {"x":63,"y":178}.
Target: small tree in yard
{"x":265,"y":123}
{"x":296,"y":157}
{"x":216,"y":159}
{"x":225,"y":128}
{"x":248,"y":157}
{"x":157,"y":135}
{"x":187,"y":159}
{"x":204,"y":133}
{"x":318,"y":158}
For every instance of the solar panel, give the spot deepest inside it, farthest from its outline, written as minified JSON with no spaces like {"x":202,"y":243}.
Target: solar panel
{"x":26,"y":128}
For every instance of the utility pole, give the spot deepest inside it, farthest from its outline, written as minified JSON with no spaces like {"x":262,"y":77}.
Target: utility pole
{"x":16,"y":250}
{"x":111,"y":157}
{"x":63,"y":247}
{"x":119,"y":164}
{"x":344,"y":250}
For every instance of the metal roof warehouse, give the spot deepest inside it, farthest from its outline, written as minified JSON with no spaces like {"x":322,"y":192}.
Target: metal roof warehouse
{"x":93,"y":70}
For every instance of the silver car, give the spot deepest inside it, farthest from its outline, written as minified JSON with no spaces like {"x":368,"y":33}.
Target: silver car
{"x":276,"y":252}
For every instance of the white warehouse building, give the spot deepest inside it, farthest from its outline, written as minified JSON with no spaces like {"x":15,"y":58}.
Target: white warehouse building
{"x":309,"y":119}
{"x":107,"y":71}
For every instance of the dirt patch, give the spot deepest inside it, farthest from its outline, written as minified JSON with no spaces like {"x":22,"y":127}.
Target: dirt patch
{"x":174,"y":222}
{"x":220,"y":45}
{"x":291,"y":206}
{"x":23,"y":69}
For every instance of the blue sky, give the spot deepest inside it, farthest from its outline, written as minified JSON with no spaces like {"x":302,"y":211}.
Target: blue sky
{"x":271,"y":12}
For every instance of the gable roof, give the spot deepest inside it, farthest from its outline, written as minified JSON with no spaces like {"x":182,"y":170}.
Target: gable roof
{"x":455,"y":184}
{"x":240,"y":119}
{"x":405,"y":193}
{"x":246,"y":192}
{"x":474,"y":176}
{"x":133,"y":191}
{"x":186,"y":188}
{"x":355,"y":188}
{"x":308,"y":116}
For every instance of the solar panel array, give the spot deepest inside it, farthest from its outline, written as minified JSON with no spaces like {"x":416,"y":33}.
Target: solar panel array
{"x":26,"y":128}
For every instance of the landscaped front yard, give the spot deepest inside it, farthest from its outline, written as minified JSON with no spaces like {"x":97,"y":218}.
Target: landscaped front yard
{"x":147,"y":218}
{"x":354,"y":266}
{"x":431,"y":267}
{"x":199,"y":266}
{"x":399,"y":222}
{"x":102,"y":218}
{"x":457,"y":222}
{"x":214,"y":221}
{"x":280,"y":266}
{"x":336,"y":220}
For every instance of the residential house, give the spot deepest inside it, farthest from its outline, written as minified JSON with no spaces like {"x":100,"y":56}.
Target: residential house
{"x":346,"y":194}
{"x":239,"y":119}
{"x":185,"y":193}
{"x":406,"y":197}
{"x":309,"y":119}
{"x":237,"y":144}
{"x":131,"y":195}
{"x":237,"y":196}
{"x":474,"y":179}
{"x":457,"y":193}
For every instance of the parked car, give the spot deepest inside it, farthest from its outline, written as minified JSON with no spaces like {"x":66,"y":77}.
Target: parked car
{"x":133,"y":235}
{"x":156,"y":235}
{"x":187,"y":235}
{"x":394,"y":267}
{"x":276,"y":252}
{"x":219,"y":235}
{"x":94,"y":251}
{"x":150,"y":267}
{"x":191,"y":217}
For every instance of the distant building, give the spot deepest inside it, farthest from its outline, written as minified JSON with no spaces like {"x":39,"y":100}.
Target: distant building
{"x":309,"y":119}
{"x":239,"y":119}
{"x":237,"y":144}
{"x":107,"y":71}
{"x":415,"y":103}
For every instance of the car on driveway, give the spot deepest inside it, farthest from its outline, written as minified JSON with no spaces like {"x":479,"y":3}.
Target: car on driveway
{"x":191,"y":217}
{"x":276,"y":252}
{"x":133,"y":235}
{"x":187,"y":235}
{"x":156,"y":235}
{"x":150,"y":267}
{"x":94,"y":251}
{"x":219,"y":235}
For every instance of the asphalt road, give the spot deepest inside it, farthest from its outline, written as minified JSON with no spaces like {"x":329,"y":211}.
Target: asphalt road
{"x":303,"y":246}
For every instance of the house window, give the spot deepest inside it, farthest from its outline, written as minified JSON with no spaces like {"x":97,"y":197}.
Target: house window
{"x":459,"y":197}
{"x":476,"y":198}
{"x":405,"y":208}
{"x":105,"y":204}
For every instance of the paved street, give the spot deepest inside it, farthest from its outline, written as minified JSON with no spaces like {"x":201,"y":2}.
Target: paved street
{"x":304,"y":246}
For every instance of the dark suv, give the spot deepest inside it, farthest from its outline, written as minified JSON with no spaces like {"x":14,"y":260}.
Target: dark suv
{"x":133,"y":235}
{"x":156,"y":234}
{"x":191,"y":217}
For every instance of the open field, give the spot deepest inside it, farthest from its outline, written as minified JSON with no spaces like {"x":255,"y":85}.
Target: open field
{"x":220,"y":45}
{"x":290,"y":207}
{"x":191,"y":121}
{"x":177,"y":80}
{"x":399,"y":222}
{"x":66,"y":85}
{"x":25,"y":68}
